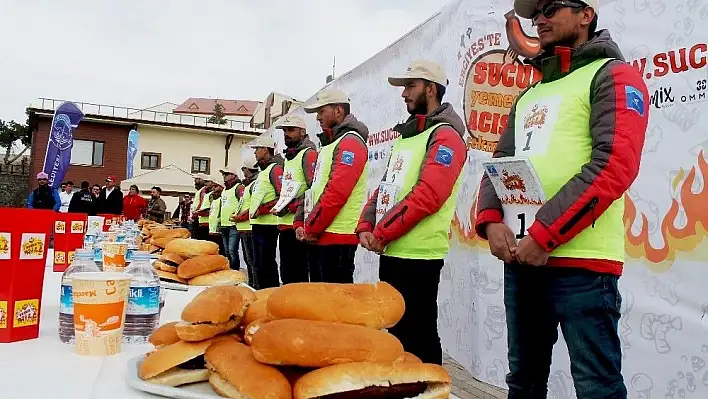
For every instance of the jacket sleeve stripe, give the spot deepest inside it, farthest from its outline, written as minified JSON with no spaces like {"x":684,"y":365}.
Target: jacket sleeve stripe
{"x":618,"y":132}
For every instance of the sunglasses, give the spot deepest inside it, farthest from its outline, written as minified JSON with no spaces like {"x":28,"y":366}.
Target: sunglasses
{"x":550,"y":9}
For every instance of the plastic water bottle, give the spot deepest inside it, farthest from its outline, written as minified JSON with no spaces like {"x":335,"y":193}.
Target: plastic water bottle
{"x":83,"y":262}
{"x":143,"y":314}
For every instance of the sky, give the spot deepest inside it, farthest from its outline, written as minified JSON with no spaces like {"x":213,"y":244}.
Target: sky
{"x":140,"y":53}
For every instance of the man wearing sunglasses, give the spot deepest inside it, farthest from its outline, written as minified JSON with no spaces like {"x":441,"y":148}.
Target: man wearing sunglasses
{"x":582,"y":127}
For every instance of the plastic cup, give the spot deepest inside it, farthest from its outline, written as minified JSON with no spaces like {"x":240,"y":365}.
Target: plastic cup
{"x":114,"y":256}
{"x":100,"y":302}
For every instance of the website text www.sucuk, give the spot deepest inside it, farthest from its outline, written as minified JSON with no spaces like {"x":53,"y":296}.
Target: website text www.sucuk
{"x":674,"y":61}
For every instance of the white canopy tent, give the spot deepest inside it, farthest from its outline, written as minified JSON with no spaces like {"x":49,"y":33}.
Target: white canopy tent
{"x":172,"y":180}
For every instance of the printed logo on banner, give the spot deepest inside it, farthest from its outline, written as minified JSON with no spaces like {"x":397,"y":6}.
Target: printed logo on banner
{"x":348,"y":158}
{"x":3,"y":314}
{"x":662,"y":97}
{"x":699,"y":95}
{"x":26,"y":313}
{"x":32,"y":246}
{"x":492,"y":77}
{"x":61,"y":133}
{"x":5,"y":246}
{"x":77,"y":227}
{"x":59,"y":227}
{"x":59,"y":258}
{"x":70,"y":257}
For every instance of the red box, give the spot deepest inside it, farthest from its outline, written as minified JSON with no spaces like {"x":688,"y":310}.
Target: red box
{"x":109,"y":220}
{"x":23,"y":255}
{"x":69,"y":230}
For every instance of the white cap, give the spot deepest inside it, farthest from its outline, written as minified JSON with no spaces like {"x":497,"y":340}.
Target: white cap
{"x":229,"y":169}
{"x":421,"y":69}
{"x":291,"y":121}
{"x":249,"y":160}
{"x":217,"y":181}
{"x":265,"y":140}
{"x":201,"y":176}
{"x":526,"y":8}
{"x":328,"y":97}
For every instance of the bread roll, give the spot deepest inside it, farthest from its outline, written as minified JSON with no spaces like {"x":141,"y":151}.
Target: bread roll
{"x":251,"y":329}
{"x":159,"y":265}
{"x":170,"y":356}
{"x":365,"y":380}
{"x":410,"y":358}
{"x":305,"y":343}
{"x":265,"y":292}
{"x":171,"y":233}
{"x":221,"y":277}
{"x":190,"y":248}
{"x":202,"y":264}
{"x":214,"y":311}
{"x":170,"y":276}
{"x":164,"y":335}
{"x":161,"y":242}
{"x":236,"y":374}
{"x":372,"y":305}
{"x":257,"y":310}
{"x":171,"y":259}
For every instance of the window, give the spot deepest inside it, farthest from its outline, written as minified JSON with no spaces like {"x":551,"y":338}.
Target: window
{"x":201,"y":165}
{"x":151,"y":160}
{"x":87,"y":153}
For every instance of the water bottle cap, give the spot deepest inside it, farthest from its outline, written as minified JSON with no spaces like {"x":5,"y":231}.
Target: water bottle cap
{"x":83,"y":253}
{"x":141,"y":256}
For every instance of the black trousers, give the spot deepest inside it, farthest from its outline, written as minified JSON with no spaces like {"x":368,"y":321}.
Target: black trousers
{"x":312,"y":263}
{"x":265,"y":267}
{"x":247,"y":252}
{"x":417,"y":280}
{"x":201,"y":232}
{"x":293,"y":259}
{"x":335,"y":262}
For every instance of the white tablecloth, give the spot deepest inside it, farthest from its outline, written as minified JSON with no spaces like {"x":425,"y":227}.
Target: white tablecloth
{"x":45,"y":368}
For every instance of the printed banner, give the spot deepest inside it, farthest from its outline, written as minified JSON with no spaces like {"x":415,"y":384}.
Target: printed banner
{"x":481,"y":45}
{"x":133,"y":138}
{"x":56,"y":160}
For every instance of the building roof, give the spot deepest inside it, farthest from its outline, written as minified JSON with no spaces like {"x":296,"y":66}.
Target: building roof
{"x":168,"y":178}
{"x":195,"y":105}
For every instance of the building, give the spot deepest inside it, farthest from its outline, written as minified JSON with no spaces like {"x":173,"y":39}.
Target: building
{"x":186,"y":141}
{"x":275,"y":106}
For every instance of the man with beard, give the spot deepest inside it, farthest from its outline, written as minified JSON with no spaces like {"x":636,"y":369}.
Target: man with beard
{"x":199,"y":185}
{"x":43,"y":197}
{"x":156,"y":206}
{"x":407,"y":219}
{"x":83,"y":201}
{"x":586,"y":149}
{"x":201,"y":215}
{"x":215,"y":215}
{"x":333,"y":204}
{"x":300,"y":160}
{"x":229,"y":204}
{"x":264,"y":224}
{"x":241,"y":215}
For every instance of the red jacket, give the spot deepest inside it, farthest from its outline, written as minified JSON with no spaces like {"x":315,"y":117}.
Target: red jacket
{"x":340,"y":183}
{"x":134,"y":206}
{"x":435,"y":182}
{"x":617,"y":127}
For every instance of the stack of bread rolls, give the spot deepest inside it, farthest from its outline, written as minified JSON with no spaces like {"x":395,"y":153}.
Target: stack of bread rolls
{"x":310,"y":341}
{"x":196,"y":262}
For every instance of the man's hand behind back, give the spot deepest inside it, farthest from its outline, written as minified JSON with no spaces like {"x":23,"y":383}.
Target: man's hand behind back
{"x":502,"y":242}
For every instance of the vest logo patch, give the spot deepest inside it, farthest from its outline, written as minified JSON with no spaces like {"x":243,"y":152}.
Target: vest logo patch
{"x":347,"y":158}
{"x":635,"y":100}
{"x":536,"y":118}
{"x":444,"y":156}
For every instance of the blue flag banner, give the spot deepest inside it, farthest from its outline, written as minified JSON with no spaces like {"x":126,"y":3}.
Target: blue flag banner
{"x":133,"y":138}
{"x":61,"y":138}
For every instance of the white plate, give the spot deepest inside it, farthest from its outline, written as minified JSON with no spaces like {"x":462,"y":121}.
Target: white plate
{"x":201,"y":390}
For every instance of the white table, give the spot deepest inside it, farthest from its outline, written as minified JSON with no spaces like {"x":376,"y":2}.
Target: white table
{"x":45,"y":368}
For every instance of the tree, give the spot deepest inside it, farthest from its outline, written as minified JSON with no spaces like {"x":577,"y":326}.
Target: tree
{"x":218,"y":117}
{"x":10,"y":133}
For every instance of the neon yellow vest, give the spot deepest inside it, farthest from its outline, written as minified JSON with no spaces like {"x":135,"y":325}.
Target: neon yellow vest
{"x":246,"y":198}
{"x":552,"y":130}
{"x":293,"y":171}
{"x":229,"y":204}
{"x":348,"y":217}
{"x":195,"y":202}
{"x":214,"y":216}
{"x":206,"y":204}
{"x":263,"y":186}
{"x":429,"y":238}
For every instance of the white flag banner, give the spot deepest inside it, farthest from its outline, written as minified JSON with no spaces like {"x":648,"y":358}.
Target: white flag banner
{"x":480,"y":43}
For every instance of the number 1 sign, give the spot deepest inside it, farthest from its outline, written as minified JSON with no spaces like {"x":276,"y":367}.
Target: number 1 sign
{"x":519,"y":190}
